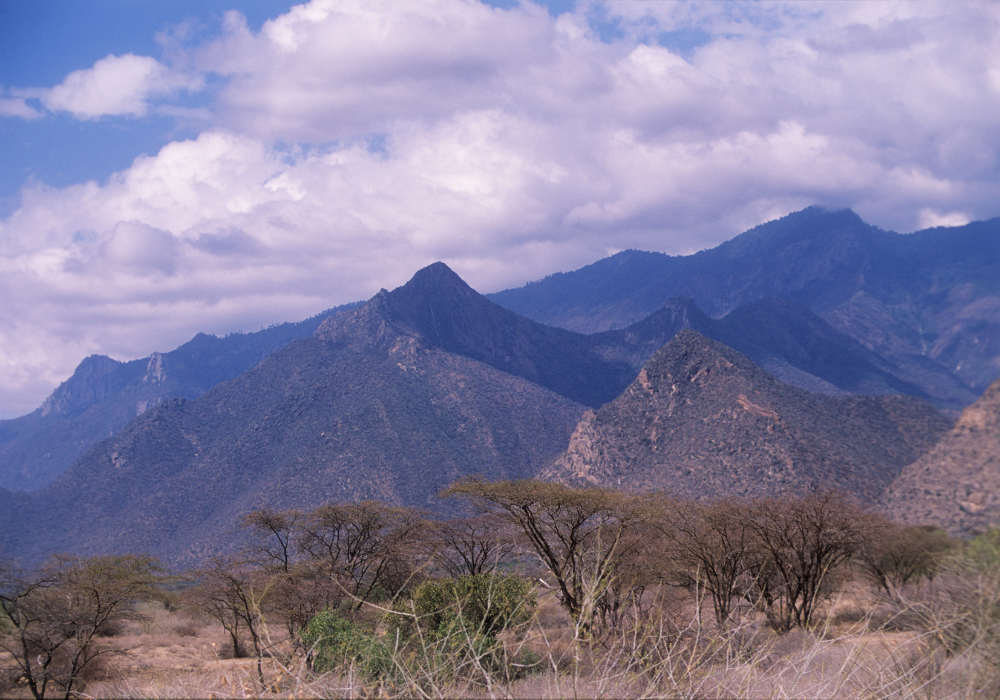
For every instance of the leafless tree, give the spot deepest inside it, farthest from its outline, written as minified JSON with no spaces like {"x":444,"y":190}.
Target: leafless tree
{"x":706,"y":547}
{"x":797,"y":545}
{"x":233,"y":593}
{"x":365,"y":547}
{"x":468,"y":546}
{"x":56,"y":612}
{"x":895,"y":555}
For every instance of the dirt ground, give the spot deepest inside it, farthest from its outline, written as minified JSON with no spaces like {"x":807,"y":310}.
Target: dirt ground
{"x":173,"y":654}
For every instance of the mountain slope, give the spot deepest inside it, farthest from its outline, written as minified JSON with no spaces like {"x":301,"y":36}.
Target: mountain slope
{"x":103,"y":395}
{"x":929,"y":302}
{"x":703,"y":421}
{"x":363,"y":409}
{"x":956,"y":485}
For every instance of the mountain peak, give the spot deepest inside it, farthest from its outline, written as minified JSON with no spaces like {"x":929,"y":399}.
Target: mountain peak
{"x":692,"y":357}
{"x":85,"y":388}
{"x":435,"y":274}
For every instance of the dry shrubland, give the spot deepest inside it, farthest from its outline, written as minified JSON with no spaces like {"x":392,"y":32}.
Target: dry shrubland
{"x":550,"y":591}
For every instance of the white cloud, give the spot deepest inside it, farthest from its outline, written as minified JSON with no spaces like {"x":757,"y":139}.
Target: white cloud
{"x":17,"y":107}
{"x":353,"y":142}
{"x":931,"y":219}
{"x":115,"y":85}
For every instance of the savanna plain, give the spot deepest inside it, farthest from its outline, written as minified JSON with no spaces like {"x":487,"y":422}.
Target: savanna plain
{"x":536,"y":590}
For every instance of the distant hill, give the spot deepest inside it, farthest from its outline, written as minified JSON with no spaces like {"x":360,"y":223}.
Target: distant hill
{"x":703,"y":421}
{"x":368,"y":407}
{"x":928,"y":302}
{"x":779,"y":335}
{"x":956,"y":485}
{"x":103,"y":395}
{"x":783,"y":337}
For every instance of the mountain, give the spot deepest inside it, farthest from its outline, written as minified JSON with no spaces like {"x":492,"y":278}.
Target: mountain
{"x":780,"y":336}
{"x":439,"y":306}
{"x":956,"y":485}
{"x":703,"y":421}
{"x":103,"y":395}
{"x":928,"y":302}
{"x":369,"y":406}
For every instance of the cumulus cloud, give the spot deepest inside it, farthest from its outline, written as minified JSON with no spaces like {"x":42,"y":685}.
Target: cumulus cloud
{"x":114,"y":85}
{"x":351,"y":143}
{"x":17,"y":107}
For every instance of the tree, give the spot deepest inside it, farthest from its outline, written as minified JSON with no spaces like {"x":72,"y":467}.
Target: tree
{"x":366,"y":547}
{"x":579,"y":535}
{"x":896,"y":555}
{"x":796,"y":545}
{"x":233,"y":594}
{"x":470,"y":546}
{"x":274,"y":533}
{"x":56,"y":612}
{"x":707,"y":547}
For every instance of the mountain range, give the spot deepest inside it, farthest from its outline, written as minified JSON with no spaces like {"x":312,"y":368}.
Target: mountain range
{"x":929,"y":302}
{"x":103,"y":395}
{"x":396,"y":398}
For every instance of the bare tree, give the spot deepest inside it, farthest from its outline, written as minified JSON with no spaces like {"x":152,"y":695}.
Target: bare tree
{"x":56,"y":612}
{"x":797,"y":544}
{"x":274,"y":533}
{"x":579,"y":535}
{"x":233,"y":594}
{"x":366,"y":547}
{"x":707,"y":546}
{"x":469,"y":546}
{"x":895,"y":555}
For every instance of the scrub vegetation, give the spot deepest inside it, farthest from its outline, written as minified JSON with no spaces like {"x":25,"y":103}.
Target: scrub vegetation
{"x":539,"y":590}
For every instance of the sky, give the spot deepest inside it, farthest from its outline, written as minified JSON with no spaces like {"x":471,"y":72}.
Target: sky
{"x":168,"y":168}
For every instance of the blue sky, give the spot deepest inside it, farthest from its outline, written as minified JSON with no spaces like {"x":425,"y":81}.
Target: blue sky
{"x":175,"y":167}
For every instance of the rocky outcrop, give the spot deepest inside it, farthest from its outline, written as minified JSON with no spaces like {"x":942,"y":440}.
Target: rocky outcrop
{"x":88,"y":385}
{"x":956,"y":485}
{"x":703,"y":421}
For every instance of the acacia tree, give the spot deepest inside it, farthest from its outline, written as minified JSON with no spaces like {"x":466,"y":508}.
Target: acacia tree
{"x":470,"y":546}
{"x":707,"y":546}
{"x":366,"y":547}
{"x":274,"y":534}
{"x":297,"y":589}
{"x":56,"y":612}
{"x":233,"y":594}
{"x":797,"y":544}
{"x":896,"y":555}
{"x":579,"y":535}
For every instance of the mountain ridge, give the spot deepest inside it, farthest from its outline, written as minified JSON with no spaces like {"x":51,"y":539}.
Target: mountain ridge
{"x":929,"y":301}
{"x":703,"y":421}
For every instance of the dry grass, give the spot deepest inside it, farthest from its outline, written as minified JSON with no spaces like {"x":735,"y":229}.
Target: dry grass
{"x":672,"y":653}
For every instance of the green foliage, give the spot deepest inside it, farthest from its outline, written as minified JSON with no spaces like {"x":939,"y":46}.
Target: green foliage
{"x":335,"y":643}
{"x":486,"y":603}
{"x":983,"y":553}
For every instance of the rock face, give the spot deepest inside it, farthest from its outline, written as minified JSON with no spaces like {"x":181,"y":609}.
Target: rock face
{"x":703,"y":421}
{"x":929,"y":302}
{"x":103,"y":395}
{"x":91,"y":382}
{"x":956,"y":485}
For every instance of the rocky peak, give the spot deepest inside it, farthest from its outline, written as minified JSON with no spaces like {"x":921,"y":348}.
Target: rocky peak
{"x":86,"y":387}
{"x":155,"y":374}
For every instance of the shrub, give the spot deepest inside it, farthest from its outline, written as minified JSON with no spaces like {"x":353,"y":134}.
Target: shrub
{"x":335,"y":643}
{"x":487,"y":603}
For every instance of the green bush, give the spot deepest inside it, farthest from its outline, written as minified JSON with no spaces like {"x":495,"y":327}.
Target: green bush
{"x":983,"y":553}
{"x":338,"y":644}
{"x":485,"y":603}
